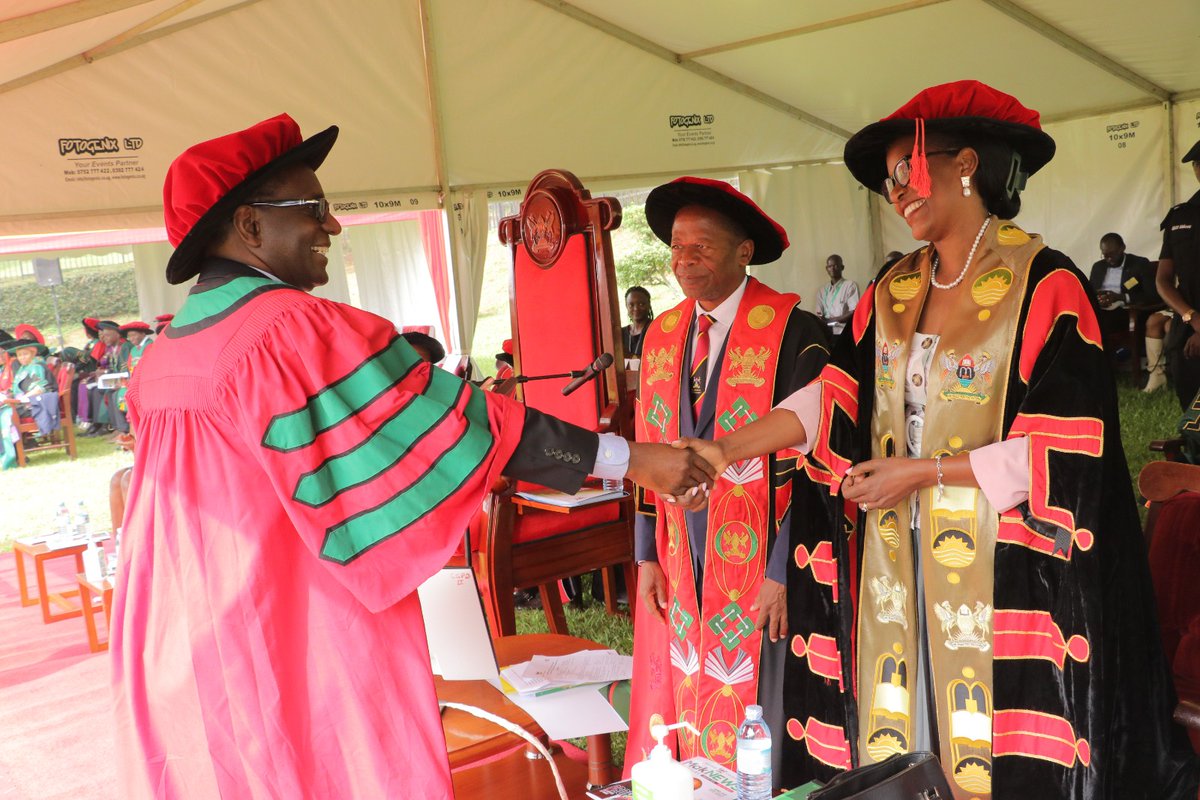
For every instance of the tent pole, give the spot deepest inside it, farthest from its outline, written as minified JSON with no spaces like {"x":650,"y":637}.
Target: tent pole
{"x":813,"y":28}
{"x":61,"y":16}
{"x":1073,"y":45}
{"x":434,"y":101}
{"x":111,"y":49}
{"x":1172,"y":183}
{"x":90,"y":54}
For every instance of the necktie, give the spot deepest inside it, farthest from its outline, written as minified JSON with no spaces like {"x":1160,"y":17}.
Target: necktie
{"x":700,"y":363}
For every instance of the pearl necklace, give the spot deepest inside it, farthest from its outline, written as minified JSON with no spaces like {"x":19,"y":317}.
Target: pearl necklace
{"x":966,"y":266}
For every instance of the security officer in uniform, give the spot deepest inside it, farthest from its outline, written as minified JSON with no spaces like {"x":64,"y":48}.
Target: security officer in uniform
{"x":1179,"y":262}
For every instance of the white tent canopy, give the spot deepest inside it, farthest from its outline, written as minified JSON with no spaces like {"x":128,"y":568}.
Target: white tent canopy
{"x":442,"y":102}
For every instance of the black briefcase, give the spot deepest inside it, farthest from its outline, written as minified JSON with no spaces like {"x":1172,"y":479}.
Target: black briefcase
{"x":906,"y":776}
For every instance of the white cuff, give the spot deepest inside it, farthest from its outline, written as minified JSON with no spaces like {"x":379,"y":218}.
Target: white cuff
{"x":612,"y":457}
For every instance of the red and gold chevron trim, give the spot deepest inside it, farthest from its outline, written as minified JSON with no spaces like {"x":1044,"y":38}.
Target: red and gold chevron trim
{"x":1035,"y":734}
{"x":826,"y":743}
{"x":823,"y":657}
{"x":824,"y":565}
{"x":1034,"y":634}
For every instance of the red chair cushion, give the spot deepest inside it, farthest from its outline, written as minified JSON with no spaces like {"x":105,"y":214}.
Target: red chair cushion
{"x":534,"y":523}
{"x":1174,"y":565}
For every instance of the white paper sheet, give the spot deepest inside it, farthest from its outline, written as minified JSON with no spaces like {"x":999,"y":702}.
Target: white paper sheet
{"x":571,"y":713}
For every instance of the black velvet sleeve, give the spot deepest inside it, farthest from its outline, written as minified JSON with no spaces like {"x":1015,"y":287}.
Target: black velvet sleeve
{"x":553,"y":453}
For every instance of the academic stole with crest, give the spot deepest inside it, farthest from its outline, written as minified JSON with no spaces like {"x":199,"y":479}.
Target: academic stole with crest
{"x":957,"y":529}
{"x":714,"y":649}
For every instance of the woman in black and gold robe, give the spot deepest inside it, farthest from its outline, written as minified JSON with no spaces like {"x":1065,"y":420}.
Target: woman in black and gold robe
{"x":967,"y":426}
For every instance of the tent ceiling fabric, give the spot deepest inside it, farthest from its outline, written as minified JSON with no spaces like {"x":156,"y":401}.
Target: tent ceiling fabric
{"x":606,"y":88}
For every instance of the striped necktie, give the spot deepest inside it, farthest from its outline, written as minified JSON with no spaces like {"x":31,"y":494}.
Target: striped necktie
{"x":700,"y":362}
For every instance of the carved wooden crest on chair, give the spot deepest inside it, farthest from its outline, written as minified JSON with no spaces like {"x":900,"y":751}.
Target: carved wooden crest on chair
{"x":565,"y":313}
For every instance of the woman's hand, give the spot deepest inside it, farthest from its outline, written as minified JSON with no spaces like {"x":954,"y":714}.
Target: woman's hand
{"x":886,"y":482}
{"x":710,"y":451}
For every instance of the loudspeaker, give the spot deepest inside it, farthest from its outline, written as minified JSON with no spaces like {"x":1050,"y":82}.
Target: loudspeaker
{"x":48,"y":272}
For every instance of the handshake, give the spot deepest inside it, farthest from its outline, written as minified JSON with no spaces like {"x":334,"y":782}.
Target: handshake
{"x":682,"y":472}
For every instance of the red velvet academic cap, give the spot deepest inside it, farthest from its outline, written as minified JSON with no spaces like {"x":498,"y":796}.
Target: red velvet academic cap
{"x":136,"y":325}
{"x":89,"y":325}
{"x":664,"y":202}
{"x":965,"y":108}
{"x":21,"y":330}
{"x":210,"y":180}
{"x":164,"y":318}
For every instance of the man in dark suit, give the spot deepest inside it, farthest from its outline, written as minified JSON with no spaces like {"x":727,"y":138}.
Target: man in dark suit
{"x":1123,"y":279}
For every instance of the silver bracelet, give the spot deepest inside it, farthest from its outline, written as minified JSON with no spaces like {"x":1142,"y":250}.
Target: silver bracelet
{"x":937,"y":461}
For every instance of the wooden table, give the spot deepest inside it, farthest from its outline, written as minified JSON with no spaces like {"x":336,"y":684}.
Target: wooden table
{"x":470,"y":740}
{"x":41,"y":553}
{"x":87,"y":591}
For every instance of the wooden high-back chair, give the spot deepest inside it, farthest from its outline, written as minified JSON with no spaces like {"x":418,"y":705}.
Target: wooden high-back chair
{"x":64,"y":437}
{"x":564,"y":315}
{"x":1173,"y":537}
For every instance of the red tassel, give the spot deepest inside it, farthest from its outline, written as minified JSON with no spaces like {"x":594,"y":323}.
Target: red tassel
{"x":918,"y":178}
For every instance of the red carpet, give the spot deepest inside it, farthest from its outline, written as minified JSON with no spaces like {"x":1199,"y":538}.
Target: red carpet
{"x":54,"y":699}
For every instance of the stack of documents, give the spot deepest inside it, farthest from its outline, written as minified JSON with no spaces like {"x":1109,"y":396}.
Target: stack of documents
{"x":583,"y":497}
{"x":544,"y":674}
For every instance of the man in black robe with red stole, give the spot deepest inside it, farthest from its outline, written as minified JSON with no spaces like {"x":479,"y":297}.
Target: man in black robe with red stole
{"x":759,"y":557}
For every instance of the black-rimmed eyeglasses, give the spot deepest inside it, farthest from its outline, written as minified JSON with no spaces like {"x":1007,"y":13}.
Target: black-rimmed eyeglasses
{"x":903,"y":169}
{"x":319,"y":207}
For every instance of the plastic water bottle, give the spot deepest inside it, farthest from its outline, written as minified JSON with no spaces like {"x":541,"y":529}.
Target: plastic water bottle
{"x":62,"y":520}
{"x":82,"y":520}
{"x":754,"y":757}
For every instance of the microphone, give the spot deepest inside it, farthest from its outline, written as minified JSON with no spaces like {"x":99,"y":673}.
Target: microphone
{"x":595,"y":368}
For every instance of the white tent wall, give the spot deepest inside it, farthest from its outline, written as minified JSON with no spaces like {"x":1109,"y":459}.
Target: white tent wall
{"x":543,"y":89}
{"x":467,"y":232}
{"x":346,"y":63}
{"x":155,"y":295}
{"x":392,"y":273}
{"x":824,"y":211}
{"x":1108,"y":174}
{"x":1187,"y":133}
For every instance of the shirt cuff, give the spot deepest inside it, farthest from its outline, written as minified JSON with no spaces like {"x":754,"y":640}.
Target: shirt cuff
{"x":612,"y":457}
{"x":1002,"y":470}
{"x":806,"y":405}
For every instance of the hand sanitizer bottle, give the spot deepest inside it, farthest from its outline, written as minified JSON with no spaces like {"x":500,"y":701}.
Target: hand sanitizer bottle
{"x":661,"y":777}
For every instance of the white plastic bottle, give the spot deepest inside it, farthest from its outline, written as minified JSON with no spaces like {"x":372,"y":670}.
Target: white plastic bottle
{"x":661,"y":777}
{"x":82,"y":520}
{"x":754,"y":757}
{"x":94,"y":563}
{"x":62,"y":520}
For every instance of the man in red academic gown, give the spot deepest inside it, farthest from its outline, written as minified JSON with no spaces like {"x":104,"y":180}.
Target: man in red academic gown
{"x":300,"y":471}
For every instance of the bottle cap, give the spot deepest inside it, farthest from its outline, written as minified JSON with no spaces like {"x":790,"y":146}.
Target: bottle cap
{"x":753,"y":712}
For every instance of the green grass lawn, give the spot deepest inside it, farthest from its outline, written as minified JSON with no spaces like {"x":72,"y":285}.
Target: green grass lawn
{"x":32,"y":494}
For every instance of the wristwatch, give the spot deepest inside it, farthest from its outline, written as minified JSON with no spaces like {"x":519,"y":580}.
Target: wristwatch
{"x":1187,"y":316}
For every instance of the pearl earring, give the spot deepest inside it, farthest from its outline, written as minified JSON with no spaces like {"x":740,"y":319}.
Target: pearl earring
{"x":966,"y":184}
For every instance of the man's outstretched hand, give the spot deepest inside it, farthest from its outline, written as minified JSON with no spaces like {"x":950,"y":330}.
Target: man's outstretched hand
{"x":669,"y":471}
